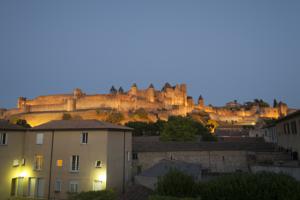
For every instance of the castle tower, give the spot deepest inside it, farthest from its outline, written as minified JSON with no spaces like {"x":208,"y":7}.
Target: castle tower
{"x":71,"y":104}
{"x":190,"y":101}
{"x":77,"y":93}
{"x":133,"y":90}
{"x":151,"y":93}
{"x":21,"y":102}
{"x":200,"y":101}
{"x":282,"y":109}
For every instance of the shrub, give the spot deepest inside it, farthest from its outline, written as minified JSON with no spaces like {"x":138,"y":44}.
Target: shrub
{"x":94,"y":195}
{"x":246,"y":186}
{"x":66,"y":116}
{"x":267,"y":186}
{"x":176,"y":183}
{"x":158,"y":197}
{"x":114,"y":117}
{"x":141,"y":113}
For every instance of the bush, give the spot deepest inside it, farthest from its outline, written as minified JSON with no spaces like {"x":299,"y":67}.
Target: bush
{"x":141,"y":113}
{"x":66,"y":116}
{"x":115,"y":117}
{"x":246,"y":186}
{"x":94,"y":195}
{"x":158,"y":197}
{"x":176,"y":183}
{"x":266,"y":186}
{"x":143,"y":128}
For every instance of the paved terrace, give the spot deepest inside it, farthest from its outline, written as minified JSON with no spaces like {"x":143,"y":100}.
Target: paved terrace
{"x":152,"y":144}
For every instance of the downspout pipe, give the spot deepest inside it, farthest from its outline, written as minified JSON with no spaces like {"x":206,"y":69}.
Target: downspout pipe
{"x":51,"y":158}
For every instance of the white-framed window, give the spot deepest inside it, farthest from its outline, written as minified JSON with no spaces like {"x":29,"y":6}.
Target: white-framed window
{"x":74,"y":163}
{"x":3,"y":138}
{"x":57,"y":185}
{"x":38,"y":162}
{"x":84,"y":137}
{"x":39,"y":138}
{"x":73,"y":186}
{"x":128,"y":156}
{"x":98,"y":164}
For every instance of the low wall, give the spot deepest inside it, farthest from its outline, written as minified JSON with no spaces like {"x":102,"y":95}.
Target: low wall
{"x":216,"y":161}
{"x":291,"y":171}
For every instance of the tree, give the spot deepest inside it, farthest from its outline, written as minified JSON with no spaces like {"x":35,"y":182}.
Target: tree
{"x":20,"y":122}
{"x":179,"y":129}
{"x":211,"y":125}
{"x":114,"y":117}
{"x":275,"y":103}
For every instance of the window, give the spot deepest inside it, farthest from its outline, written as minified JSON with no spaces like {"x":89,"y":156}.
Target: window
{"x":74,"y":163}
{"x":84,"y":138}
{"x":3,"y":138}
{"x":17,"y":186}
{"x":36,"y":187}
{"x":73,"y":187}
{"x":57,"y":185}
{"x":134,"y":156}
{"x":38,"y":162}
{"x":98,"y":164}
{"x":294,"y":127}
{"x":128,"y":156}
{"x":288,"y":128}
{"x":39,"y":138}
{"x":59,"y":163}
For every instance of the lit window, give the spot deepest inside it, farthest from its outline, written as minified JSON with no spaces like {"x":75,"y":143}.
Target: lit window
{"x":39,"y":138}
{"x":59,"y":163}
{"x":84,"y":138}
{"x":38,"y":162}
{"x":3,"y":138}
{"x":57,"y":186}
{"x":74,"y":163}
{"x":73,"y":187}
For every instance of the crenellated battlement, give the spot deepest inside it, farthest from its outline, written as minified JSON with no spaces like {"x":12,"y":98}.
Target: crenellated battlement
{"x":169,"y":100}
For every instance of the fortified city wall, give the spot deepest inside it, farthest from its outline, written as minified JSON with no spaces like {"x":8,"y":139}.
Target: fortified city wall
{"x":170,"y":100}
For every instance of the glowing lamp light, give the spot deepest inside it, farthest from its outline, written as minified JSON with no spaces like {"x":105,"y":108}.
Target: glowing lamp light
{"x":23,"y":174}
{"x":102,"y":177}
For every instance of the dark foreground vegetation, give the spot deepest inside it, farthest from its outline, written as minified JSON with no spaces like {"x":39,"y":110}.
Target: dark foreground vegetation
{"x":94,"y":195}
{"x":262,"y":186}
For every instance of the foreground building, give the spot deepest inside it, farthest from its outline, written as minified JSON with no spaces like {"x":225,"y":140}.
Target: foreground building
{"x":65,"y":156}
{"x":288,"y":133}
{"x":214,"y":157}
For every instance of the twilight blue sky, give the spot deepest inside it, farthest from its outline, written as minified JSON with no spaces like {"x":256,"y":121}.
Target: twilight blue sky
{"x":224,"y":50}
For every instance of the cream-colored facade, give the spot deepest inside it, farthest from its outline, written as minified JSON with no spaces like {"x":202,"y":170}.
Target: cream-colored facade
{"x":63,"y":160}
{"x":288,"y":133}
